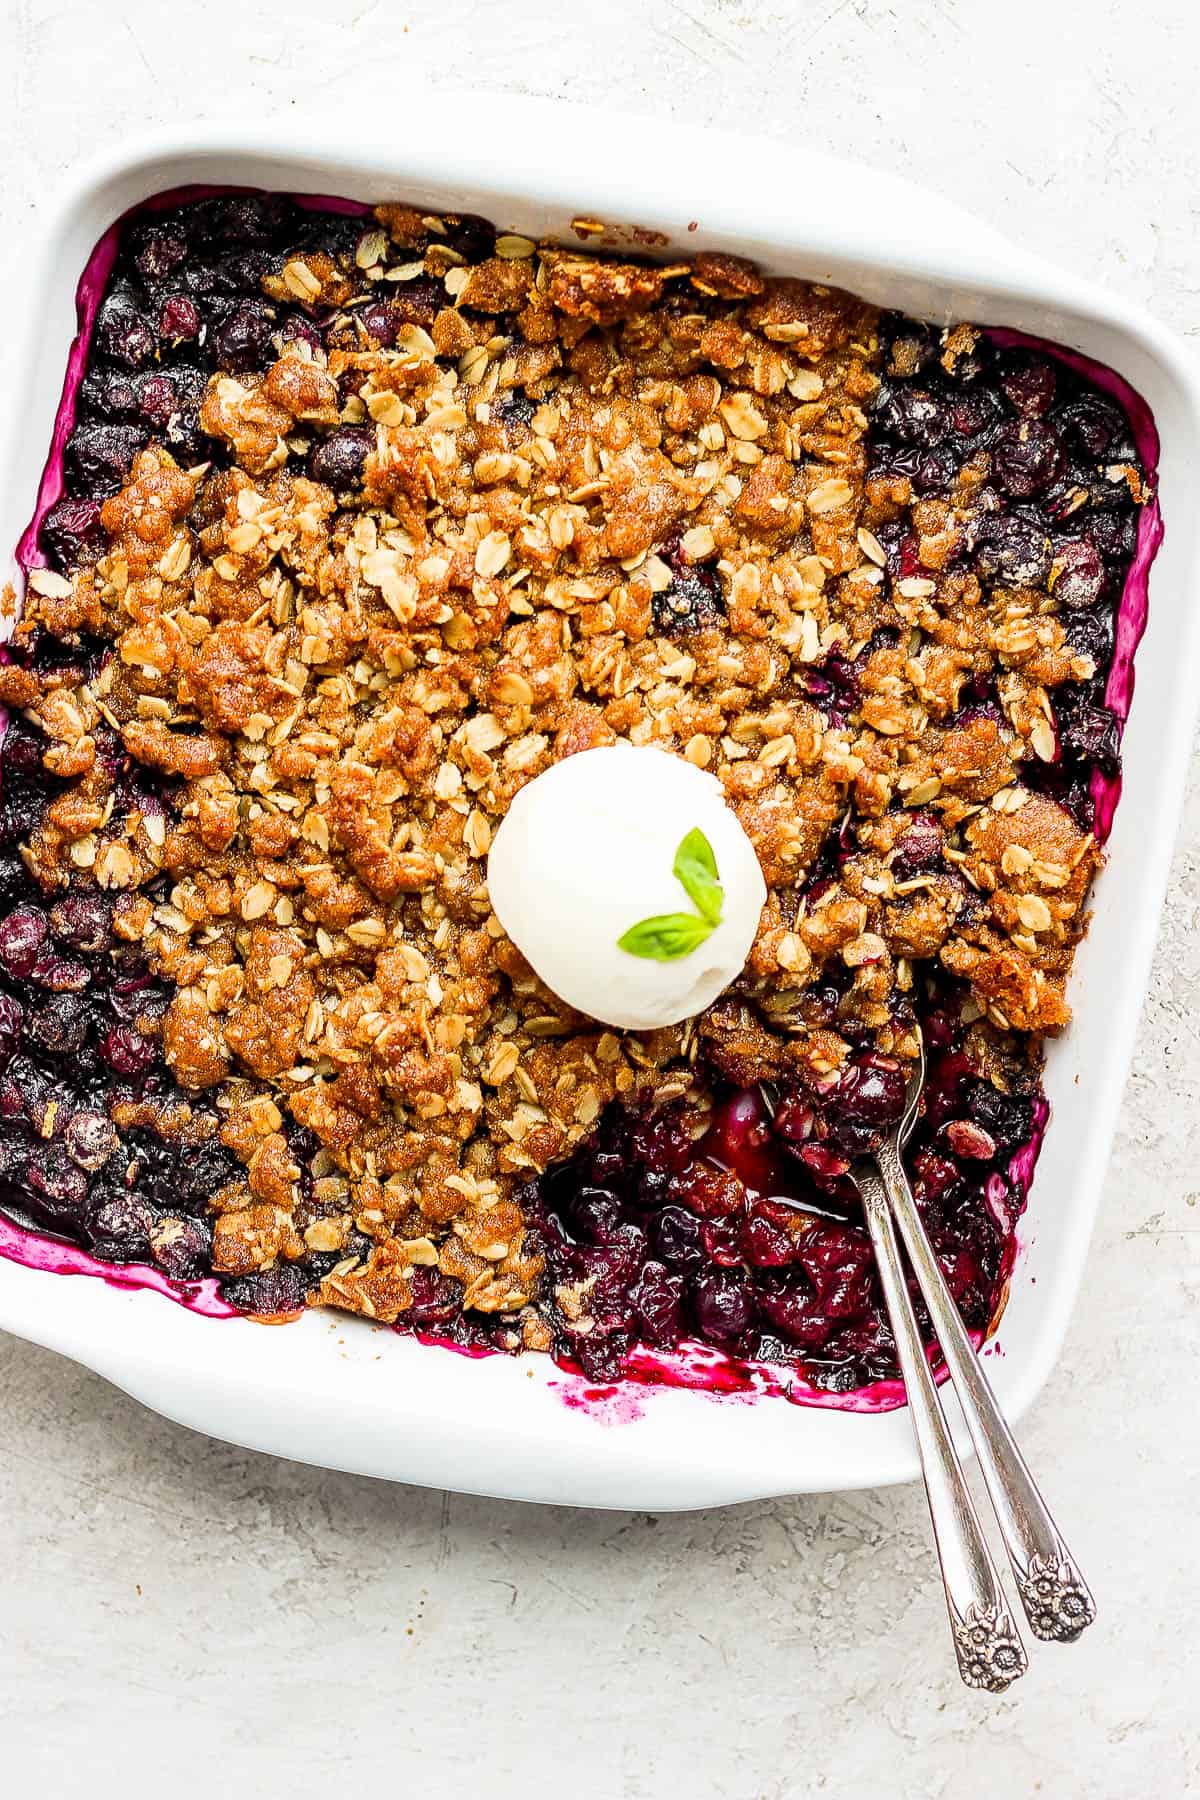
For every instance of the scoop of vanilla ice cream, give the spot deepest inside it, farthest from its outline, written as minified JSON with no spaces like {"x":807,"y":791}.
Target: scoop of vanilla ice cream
{"x":585,"y":851}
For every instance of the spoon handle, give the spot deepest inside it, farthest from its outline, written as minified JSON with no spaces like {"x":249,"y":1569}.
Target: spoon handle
{"x":1056,"y":1599}
{"x":989,"y":1651}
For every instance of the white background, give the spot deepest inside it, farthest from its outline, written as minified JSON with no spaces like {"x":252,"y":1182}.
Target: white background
{"x":178,"y":1615}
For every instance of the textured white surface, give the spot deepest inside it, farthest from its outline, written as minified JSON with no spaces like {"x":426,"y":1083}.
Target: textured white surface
{"x":163,"y":1593}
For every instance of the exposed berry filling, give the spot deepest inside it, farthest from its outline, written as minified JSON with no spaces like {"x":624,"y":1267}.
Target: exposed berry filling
{"x":365,"y":521}
{"x":750,"y":1237}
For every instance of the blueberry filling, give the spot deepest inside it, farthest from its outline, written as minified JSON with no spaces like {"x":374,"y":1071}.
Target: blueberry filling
{"x":1055,"y":475}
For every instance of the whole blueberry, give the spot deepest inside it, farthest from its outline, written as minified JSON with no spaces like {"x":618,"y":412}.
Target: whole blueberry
{"x":868,"y":1097}
{"x":124,"y":334}
{"x":657,"y":1297}
{"x":181,"y":1246}
{"x":72,"y":533}
{"x":1029,"y":382}
{"x":296,"y":329}
{"x":1027,"y":456}
{"x":1090,"y":634}
{"x":248,"y":218}
{"x":1092,"y":734}
{"x":338,"y":460}
{"x":55,"y":1180}
{"x":910,"y":415}
{"x":472,"y":237}
{"x":241,"y":339}
{"x":99,"y":457}
{"x":1078,"y":573}
{"x":1007,"y":1118}
{"x":1012,"y":550}
{"x":109,"y":394}
{"x":278,"y":1290}
{"x":158,"y":251}
{"x":58,"y":973}
{"x":677,"y":1237}
{"x":933,"y":470}
{"x":204,"y":1169}
{"x":788,"y":1305}
{"x":59,"y":1025}
{"x":693,"y":601}
{"x":126,"y":1051}
{"x":722,"y":1304}
{"x":597,"y":1215}
{"x":1091,"y":424}
{"x":513,"y":409}
{"x":1114,"y":532}
{"x":22,"y":935}
{"x":82,"y":920}
{"x":380,"y":321}
{"x":119,"y":1225}
{"x":157,"y":401}
{"x":89,"y":1139}
{"x":179,"y":320}
{"x":23,"y":747}
{"x":436,"y":1298}
{"x":919,"y":847}
{"x":974,"y":410}
{"x":602,"y":1356}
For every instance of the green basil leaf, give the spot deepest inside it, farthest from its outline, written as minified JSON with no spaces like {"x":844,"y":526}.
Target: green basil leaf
{"x":695,"y":868}
{"x":666,"y":936}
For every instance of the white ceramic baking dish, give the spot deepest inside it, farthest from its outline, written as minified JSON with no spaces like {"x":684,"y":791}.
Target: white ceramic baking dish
{"x":333,"y":1391}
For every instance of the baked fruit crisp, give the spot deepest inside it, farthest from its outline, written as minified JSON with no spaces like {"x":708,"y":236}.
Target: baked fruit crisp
{"x":368,"y":518}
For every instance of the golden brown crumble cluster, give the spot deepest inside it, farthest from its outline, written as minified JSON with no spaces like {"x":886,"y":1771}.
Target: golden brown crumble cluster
{"x":349,"y":685}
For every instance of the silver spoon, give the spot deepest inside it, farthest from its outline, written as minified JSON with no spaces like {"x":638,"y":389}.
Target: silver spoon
{"x":986,"y":1642}
{"x":1057,"y":1601}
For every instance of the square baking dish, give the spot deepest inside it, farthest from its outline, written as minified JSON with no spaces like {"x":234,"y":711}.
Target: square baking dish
{"x":342,"y":1394}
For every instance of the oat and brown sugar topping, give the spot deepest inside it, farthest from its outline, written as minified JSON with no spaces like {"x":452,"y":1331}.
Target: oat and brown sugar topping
{"x":502,"y":508}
